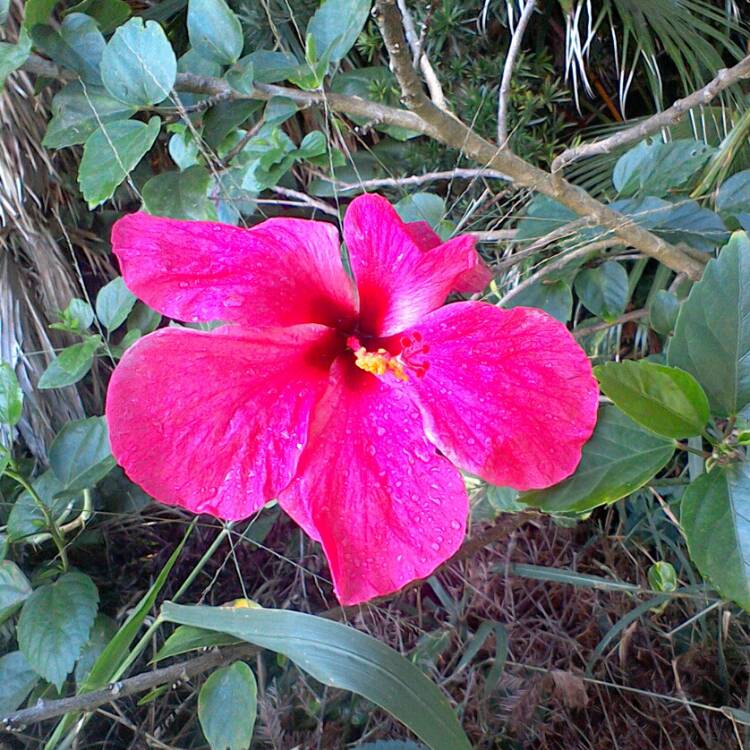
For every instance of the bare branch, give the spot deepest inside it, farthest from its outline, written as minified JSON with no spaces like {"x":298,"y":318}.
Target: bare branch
{"x":723,"y":80}
{"x":417,"y":179}
{"x":139,"y":684}
{"x":629,"y":317}
{"x":449,"y":130}
{"x":444,"y":127}
{"x":555,"y":265}
{"x":421,"y":59}
{"x":510,"y":62}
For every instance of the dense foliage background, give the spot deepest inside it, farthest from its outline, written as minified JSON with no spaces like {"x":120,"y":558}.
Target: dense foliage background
{"x":609,"y":610}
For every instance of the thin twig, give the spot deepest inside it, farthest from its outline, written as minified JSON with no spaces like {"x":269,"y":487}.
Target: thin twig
{"x":514,"y":48}
{"x":555,"y":265}
{"x":723,"y":80}
{"x":306,"y":199}
{"x":417,"y":179}
{"x":421,"y":59}
{"x":140,"y":683}
{"x":629,"y":317}
{"x":447,"y":129}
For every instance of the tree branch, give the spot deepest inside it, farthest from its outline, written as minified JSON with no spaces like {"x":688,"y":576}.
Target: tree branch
{"x":449,"y":130}
{"x":139,"y":684}
{"x":724,"y":79}
{"x":510,"y":62}
{"x":416,"y":179}
{"x":442,"y":126}
{"x":421,"y":59}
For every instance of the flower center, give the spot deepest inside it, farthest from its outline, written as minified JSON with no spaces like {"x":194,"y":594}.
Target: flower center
{"x":378,"y":363}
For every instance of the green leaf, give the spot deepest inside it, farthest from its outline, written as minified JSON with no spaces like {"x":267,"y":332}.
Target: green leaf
{"x":180,"y":195}
{"x":228,"y":706}
{"x":70,"y":365}
{"x":110,"y":153}
{"x":655,"y":167}
{"x":15,"y":589}
{"x":17,"y":680}
{"x":604,"y":290}
{"x":183,"y":148}
{"x":715,"y":516}
{"x":271,"y":67}
{"x":55,"y":623}
{"x":336,"y":26}
{"x":241,"y":76}
{"x":78,"y":45}
{"x":278,"y":110}
{"x":143,"y":318}
{"x":663,"y":312}
{"x":109,"y":14}
{"x":215,"y":31}
{"x":37,"y":11}
{"x":689,"y":222}
{"x":733,"y":197}
{"x":11,"y":396}
{"x":712,"y":335}
{"x":555,"y":298}
{"x":665,"y":400}
{"x":114,"y":303}
{"x":138,"y":65}
{"x":543,"y":215}
{"x":662,"y":577}
{"x":27,"y":520}
{"x":13,"y":56}
{"x":187,"y":638}
{"x":619,"y":458}
{"x":422,"y":207}
{"x":77,"y":113}
{"x":102,"y":632}
{"x":342,"y":657}
{"x":80,"y":454}
{"x":4,"y":10}
{"x":312,"y":145}
{"x":80,"y":313}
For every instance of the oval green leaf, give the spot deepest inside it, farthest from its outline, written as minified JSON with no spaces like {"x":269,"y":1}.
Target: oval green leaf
{"x":80,"y":454}
{"x":215,"y":31}
{"x":715,"y":516}
{"x":712,"y":336}
{"x":55,"y":623}
{"x":138,"y":64}
{"x":14,"y":588}
{"x":17,"y":679}
{"x":228,"y":707}
{"x":665,"y":400}
{"x":114,"y":303}
{"x":603,"y":290}
{"x":110,"y":153}
{"x":619,"y":458}
{"x":342,"y":657}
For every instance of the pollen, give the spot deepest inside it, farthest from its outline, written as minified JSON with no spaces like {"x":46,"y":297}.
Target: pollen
{"x":379,"y":362}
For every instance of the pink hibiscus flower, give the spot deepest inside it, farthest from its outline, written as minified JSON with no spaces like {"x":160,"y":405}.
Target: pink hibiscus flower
{"x":348,"y":400}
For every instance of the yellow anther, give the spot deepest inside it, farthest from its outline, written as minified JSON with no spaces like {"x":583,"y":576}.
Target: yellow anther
{"x":379,"y":363}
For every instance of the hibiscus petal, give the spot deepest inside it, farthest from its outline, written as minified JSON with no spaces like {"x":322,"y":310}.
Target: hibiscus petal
{"x":398,"y":277}
{"x":506,"y":394}
{"x":216,"y":421}
{"x":472,"y":280}
{"x":278,"y":273}
{"x":387,"y":508}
